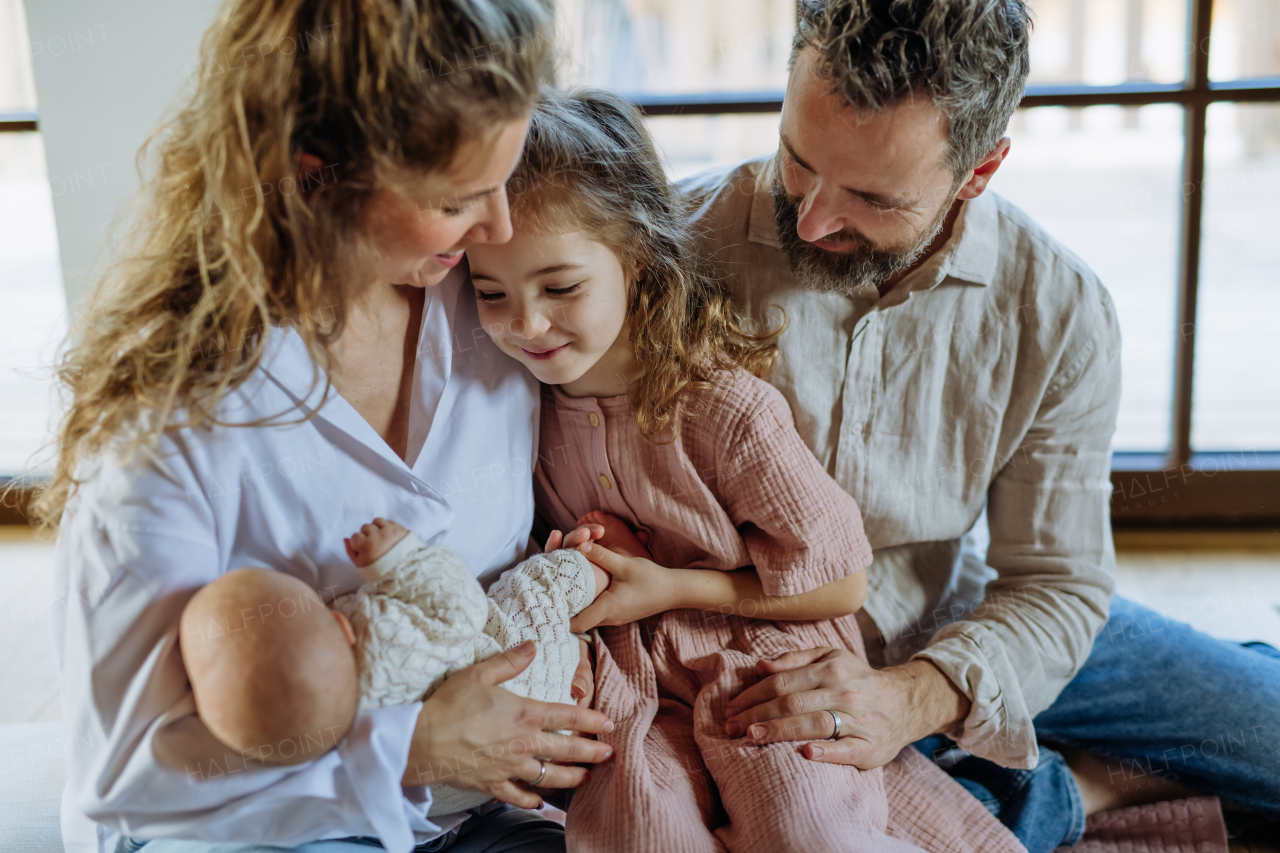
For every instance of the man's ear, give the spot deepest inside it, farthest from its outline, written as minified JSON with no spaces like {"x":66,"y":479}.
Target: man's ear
{"x":985,"y":171}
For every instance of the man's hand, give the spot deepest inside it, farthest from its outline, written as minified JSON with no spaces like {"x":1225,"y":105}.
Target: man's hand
{"x":638,"y":588}
{"x":881,"y":711}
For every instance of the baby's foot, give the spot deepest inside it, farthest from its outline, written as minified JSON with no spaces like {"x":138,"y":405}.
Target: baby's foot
{"x":374,"y":539}
{"x":617,"y":537}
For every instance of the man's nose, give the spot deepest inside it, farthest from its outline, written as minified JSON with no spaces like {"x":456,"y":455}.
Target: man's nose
{"x":818,"y":216}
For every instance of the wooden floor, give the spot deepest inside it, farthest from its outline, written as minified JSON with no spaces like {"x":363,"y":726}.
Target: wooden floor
{"x":1226,"y":584}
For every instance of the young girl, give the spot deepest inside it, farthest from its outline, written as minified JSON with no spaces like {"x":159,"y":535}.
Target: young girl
{"x":656,"y":428}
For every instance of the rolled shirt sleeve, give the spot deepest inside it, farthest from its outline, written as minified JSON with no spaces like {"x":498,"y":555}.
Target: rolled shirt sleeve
{"x":1048,"y":513}
{"x":988,"y":377}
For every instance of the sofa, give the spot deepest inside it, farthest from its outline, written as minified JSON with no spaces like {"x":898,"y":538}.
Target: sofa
{"x":32,"y":775}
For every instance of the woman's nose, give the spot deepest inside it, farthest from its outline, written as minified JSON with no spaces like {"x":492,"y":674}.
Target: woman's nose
{"x":494,"y":224}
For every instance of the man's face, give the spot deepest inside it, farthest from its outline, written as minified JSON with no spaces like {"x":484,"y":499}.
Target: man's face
{"x":858,"y":197}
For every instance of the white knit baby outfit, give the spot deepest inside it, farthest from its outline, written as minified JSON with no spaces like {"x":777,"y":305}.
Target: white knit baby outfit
{"x":422,"y":616}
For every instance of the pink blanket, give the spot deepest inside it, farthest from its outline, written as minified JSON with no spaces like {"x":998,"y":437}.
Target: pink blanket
{"x":1193,"y":825}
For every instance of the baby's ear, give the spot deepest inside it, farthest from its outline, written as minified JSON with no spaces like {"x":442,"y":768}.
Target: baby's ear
{"x":345,"y":624}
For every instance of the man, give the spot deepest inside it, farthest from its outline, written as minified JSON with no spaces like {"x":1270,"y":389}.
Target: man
{"x":944,"y":358}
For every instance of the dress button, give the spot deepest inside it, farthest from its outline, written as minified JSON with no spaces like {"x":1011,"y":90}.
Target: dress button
{"x":604,"y":481}
{"x":594,"y":418}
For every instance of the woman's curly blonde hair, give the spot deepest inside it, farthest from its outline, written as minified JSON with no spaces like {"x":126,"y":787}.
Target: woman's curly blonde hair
{"x":233,"y":239}
{"x":590,"y":164}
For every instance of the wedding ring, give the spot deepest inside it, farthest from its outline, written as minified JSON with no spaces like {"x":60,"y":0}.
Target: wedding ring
{"x":543,"y":772}
{"x":835,"y":718}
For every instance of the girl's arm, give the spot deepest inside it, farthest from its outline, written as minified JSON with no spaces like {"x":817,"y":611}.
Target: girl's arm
{"x":741,"y":593}
{"x":640,"y":587}
{"x":803,"y":533}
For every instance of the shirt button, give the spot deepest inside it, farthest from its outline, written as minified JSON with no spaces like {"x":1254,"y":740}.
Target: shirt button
{"x":604,"y":481}
{"x":594,"y":418}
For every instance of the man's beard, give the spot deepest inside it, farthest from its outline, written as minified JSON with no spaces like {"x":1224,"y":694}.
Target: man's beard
{"x":843,"y":272}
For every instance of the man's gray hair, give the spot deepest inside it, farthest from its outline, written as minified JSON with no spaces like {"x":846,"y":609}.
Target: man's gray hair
{"x":969,"y":56}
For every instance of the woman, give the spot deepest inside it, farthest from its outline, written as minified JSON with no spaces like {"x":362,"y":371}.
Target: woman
{"x":293,"y":347}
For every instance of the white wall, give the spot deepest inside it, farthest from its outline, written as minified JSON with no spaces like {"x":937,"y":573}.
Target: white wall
{"x":106,"y":71}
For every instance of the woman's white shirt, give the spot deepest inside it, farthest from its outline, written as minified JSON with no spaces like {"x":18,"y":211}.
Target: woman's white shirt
{"x":136,"y":542}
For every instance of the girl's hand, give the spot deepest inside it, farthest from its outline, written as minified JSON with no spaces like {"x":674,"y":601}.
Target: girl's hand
{"x":471,"y":733}
{"x":638,"y":588}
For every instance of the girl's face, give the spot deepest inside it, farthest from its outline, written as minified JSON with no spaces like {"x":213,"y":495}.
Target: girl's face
{"x":558,"y":304}
{"x":422,"y":230}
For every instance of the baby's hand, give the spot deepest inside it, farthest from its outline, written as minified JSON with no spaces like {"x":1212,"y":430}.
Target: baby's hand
{"x":374,"y":539}
{"x":576,"y":537}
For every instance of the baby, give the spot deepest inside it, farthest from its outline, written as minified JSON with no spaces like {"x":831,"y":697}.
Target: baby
{"x":280,"y":678}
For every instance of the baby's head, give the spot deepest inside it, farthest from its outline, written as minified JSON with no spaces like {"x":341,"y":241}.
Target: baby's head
{"x":599,"y":286}
{"x":272,"y":668}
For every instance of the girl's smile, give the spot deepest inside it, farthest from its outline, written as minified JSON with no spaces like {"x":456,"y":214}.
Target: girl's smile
{"x":558,"y":304}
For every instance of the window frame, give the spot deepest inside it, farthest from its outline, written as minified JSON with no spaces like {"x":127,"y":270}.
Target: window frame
{"x":1180,"y":487}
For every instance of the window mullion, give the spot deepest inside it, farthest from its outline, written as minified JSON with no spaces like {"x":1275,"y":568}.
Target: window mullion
{"x":1201,"y":14}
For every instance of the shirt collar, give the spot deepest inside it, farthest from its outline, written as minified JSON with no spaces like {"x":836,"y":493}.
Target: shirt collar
{"x":970,"y":255}
{"x":762,"y":227}
{"x":287,"y":362}
{"x":977,"y":242}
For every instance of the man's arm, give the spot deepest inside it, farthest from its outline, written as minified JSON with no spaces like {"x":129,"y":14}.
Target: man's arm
{"x":1051,"y":544}
{"x":1049,"y":516}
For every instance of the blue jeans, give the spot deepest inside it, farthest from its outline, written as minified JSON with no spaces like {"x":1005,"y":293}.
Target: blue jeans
{"x":1157,"y":698}
{"x":503,"y":830}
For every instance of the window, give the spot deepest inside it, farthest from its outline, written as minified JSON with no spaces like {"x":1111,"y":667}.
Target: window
{"x":1148,"y":142}
{"x":32,"y":307}
{"x":1236,"y":405}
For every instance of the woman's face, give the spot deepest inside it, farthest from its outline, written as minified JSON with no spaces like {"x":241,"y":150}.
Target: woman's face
{"x":557,"y":303}
{"x":421,"y":231}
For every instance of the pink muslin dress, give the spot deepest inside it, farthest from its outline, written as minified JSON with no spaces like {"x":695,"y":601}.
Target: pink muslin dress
{"x":737,"y":487}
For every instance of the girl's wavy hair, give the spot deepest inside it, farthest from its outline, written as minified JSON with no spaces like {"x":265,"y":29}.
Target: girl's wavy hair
{"x":589,"y":164}
{"x":233,"y":239}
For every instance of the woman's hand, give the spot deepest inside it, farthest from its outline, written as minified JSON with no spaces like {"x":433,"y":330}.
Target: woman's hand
{"x":473,"y":734}
{"x":638,"y":588}
{"x":881,"y":710}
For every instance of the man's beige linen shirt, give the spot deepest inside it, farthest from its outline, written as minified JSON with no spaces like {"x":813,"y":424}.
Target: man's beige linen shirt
{"x":989,"y":377}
